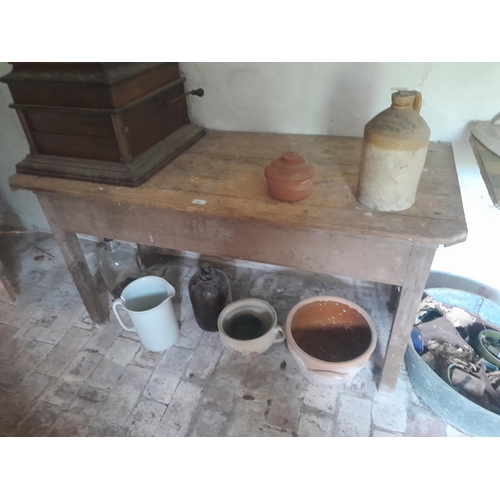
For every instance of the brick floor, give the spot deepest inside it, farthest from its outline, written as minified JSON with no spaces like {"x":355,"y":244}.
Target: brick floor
{"x":62,"y":376}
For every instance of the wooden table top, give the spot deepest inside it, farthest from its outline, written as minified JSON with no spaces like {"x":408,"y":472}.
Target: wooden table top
{"x":226,"y":170}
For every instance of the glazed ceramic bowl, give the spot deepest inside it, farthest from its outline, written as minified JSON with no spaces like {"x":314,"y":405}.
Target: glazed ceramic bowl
{"x":481,"y":349}
{"x":269,"y":334}
{"x":330,"y":339}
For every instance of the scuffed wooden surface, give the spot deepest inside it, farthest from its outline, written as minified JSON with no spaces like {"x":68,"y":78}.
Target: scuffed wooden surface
{"x":226,"y":169}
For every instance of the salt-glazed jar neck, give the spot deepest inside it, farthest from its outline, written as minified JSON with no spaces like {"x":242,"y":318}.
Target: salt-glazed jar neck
{"x":406,"y":99}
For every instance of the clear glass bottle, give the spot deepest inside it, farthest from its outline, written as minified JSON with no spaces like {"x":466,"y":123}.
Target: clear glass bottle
{"x":119,"y":265}
{"x":210,"y":292}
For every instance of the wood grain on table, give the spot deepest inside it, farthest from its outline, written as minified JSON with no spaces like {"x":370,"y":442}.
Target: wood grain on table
{"x":226,"y":170}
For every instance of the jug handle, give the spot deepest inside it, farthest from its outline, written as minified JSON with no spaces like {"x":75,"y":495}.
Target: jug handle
{"x":417,"y":102}
{"x":280,"y":335}
{"x":116,"y":303}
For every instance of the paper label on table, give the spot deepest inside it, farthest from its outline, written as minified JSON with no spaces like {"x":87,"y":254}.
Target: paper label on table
{"x":199,"y":202}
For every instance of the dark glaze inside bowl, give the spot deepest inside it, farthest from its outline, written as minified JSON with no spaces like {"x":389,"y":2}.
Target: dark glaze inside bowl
{"x":331,"y":331}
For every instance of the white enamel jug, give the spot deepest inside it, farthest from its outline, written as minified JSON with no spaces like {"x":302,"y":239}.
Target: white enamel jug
{"x":148,"y":302}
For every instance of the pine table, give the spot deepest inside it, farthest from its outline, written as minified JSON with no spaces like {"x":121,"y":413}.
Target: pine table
{"x":212,"y":200}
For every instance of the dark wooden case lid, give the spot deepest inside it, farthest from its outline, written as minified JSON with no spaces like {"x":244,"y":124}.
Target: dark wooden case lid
{"x":87,"y":85}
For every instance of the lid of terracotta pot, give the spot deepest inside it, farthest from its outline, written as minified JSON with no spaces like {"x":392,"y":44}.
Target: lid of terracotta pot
{"x":290,"y":167}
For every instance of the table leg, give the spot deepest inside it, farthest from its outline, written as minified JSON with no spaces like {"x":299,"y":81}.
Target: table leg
{"x":92,"y":292}
{"x":392,"y":303}
{"x":6,"y":283}
{"x":416,"y":275}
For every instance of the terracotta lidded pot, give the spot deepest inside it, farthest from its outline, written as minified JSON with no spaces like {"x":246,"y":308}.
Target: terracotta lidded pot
{"x":289,"y":178}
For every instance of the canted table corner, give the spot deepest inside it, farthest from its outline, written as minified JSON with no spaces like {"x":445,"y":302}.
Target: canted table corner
{"x":212,"y":200}
{"x":489,"y":166}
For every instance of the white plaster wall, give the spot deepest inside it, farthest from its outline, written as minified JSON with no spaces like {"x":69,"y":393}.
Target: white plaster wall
{"x":478,"y":258}
{"x":13,"y":148}
{"x":329,"y":98}
{"x":339,"y":98}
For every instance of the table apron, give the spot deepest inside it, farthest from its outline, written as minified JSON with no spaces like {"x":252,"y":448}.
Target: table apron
{"x":381,"y":260}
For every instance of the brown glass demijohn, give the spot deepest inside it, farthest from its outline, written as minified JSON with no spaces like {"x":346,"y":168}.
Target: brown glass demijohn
{"x":289,"y":178}
{"x":210,"y":293}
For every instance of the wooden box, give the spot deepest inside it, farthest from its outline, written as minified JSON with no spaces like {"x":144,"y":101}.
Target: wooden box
{"x":117,"y":123}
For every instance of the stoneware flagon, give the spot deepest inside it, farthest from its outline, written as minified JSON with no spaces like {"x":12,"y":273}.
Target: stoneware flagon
{"x":395,"y":146}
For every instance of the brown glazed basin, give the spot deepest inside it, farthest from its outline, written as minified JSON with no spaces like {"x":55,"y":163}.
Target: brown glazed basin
{"x":330,"y":339}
